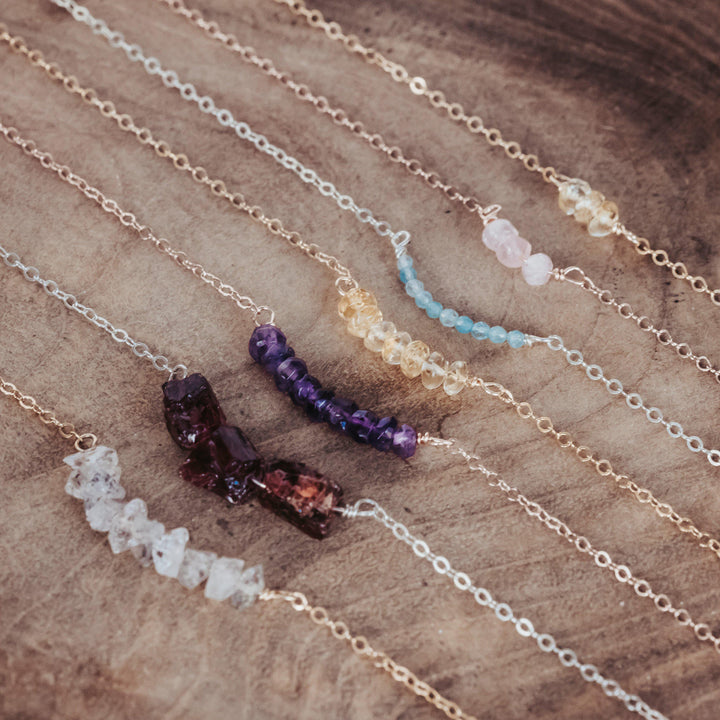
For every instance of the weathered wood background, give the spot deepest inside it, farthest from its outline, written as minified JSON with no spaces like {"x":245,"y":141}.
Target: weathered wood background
{"x":624,"y":94}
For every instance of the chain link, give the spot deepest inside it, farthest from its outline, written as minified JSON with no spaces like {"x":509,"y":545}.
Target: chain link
{"x":82,"y":441}
{"x":367,"y":508}
{"x":362,"y":648}
{"x":455,"y":111}
{"x":602,"y":466}
{"x":180,"y":161}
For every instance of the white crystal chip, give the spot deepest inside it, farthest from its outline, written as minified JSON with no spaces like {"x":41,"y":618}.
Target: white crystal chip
{"x":195,"y":567}
{"x":144,"y":539}
{"x":96,"y":474}
{"x":132,"y":529}
{"x":224,"y":578}
{"x":252,"y":584}
{"x":168,"y":552}
{"x":100,"y":513}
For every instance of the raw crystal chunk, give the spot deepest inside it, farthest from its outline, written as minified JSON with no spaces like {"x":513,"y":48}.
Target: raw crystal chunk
{"x":192,"y":411}
{"x":302,"y":496}
{"x":225,"y":578}
{"x":361,"y":424}
{"x":168,"y":551}
{"x":144,"y":540}
{"x":226,"y":463}
{"x":100,"y":513}
{"x":195,"y":567}
{"x":252,"y":584}
{"x":96,"y":474}
{"x":404,"y":441}
{"x":131,"y":529}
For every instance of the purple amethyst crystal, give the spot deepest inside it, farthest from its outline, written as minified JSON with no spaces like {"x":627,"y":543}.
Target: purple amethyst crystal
{"x":192,"y":411}
{"x":404,"y":441}
{"x":361,"y":425}
{"x":302,"y":496}
{"x":289,"y":372}
{"x":226,"y":463}
{"x":305,"y":391}
{"x":381,"y":437}
{"x":339,"y":412}
{"x":318,"y":411}
{"x":268,"y":347}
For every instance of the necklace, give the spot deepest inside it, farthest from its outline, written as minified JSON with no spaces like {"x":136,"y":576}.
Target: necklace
{"x":575,"y":196}
{"x":414,"y":287}
{"x":291,"y":502}
{"x":95,"y":480}
{"x":433,"y":372}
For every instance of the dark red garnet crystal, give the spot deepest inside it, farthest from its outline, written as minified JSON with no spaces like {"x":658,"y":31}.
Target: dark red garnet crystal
{"x":302,"y":496}
{"x":192,"y":411}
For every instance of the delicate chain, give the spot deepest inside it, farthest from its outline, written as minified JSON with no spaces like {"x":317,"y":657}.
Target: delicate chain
{"x":456,"y":112}
{"x":180,"y":161}
{"x":370,"y":509}
{"x":129,"y":220}
{"x":336,"y":114}
{"x":602,"y":466}
{"x":225,"y":118}
{"x":84,"y":441}
{"x":576,"y":276}
{"x":621,"y":572}
{"x":361,"y":647}
{"x":140,"y":349}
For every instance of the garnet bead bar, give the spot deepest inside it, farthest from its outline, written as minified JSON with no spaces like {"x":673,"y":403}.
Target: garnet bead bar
{"x":268,"y":347}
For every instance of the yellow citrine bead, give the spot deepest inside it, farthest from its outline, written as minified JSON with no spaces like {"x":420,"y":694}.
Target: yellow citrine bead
{"x":363,"y":319}
{"x":604,"y":219}
{"x":433,"y":372}
{"x":456,"y":377}
{"x":588,"y":206}
{"x":353,"y":299}
{"x":570,"y":193}
{"x":376,"y":335}
{"x":413,"y":358}
{"x":394,"y":346}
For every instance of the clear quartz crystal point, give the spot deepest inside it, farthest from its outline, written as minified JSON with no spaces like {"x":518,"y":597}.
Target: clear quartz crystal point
{"x":168,"y":551}
{"x":252,"y":584}
{"x":225,"y":578}
{"x":95,"y":474}
{"x":195,"y":567}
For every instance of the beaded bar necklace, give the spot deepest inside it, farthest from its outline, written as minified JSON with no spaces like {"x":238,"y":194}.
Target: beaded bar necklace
{"x":399,"y":240}
{"x":95,"y":480}
{"x":575,"y":196}
{"x":224,"y":461}
{"x":434,"y":371}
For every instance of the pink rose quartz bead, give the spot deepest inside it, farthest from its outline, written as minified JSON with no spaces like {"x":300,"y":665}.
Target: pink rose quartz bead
{"x":497,"y":233}
{"x":513,"y":252}
{"x":537,"y":268}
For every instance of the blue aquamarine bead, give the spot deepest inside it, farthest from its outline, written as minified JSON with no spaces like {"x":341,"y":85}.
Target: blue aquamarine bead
{"x":515,"y":339}
{"x":339,"y":413}
{"x":361,"y":425}
{"x":414,"y":287}
{"x":434,"y":309}
{"x":289,"y":372}
{"x":480,"y":330}
{"x":448,"y":317}
{"x":423,"y":299}
{"x":404,"y":441}
{"x":497,"y":335}
{"x":408,"y":274}
{"x":404,"y":261}
{"x":464,"y":324}
{"x":381,"y":436}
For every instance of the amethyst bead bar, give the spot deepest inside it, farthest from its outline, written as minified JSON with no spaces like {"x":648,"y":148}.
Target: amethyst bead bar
{"x":269,"y":348}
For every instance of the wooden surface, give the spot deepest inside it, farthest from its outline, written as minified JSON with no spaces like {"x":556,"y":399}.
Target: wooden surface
{"x":622,"y":94}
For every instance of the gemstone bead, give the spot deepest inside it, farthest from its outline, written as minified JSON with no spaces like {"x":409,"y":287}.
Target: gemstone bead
{"x":394,"y":346}
{"x":423,"y":299}
{"x":456,"y":377}
{"x":147,"y":534}
{"x":381,"y":436}
{"x":464,"y":324}
{"x":353,"y":299}
{"x":195,"y":567}
{"x":268,"y":347}
{"x":376,"y":335}
{"x":305,"y":391}
{"x":413,"y":357}
{"x":302,"y":496}
{"x":497,"y":233}
{"x":289,"y":372}
{"x":408,"y":273}
{"x":515,"y":339}
{"x":604,"y":219}
{"x":95,"y":475}
{"x":513,"y":252}
{"x":414,"y":287}
{"x":365,"y":317}
{"x":224,"y":578}
{"x":192,"y":411}
{"x":168,"y":552}
{"x":434,"y":309}
{"x":433,"y":372}
{"x":586,"y":208}
{"x":318,"y":410}
{"x":404,"y":261}
{"x":497,"y":335}
{"x":480,"y":330}
{"x":404,"y":442}
{"x":570,"y":193}
{"x":126,"y":525}
{"x":339,"y":412}
{"x":101,"y":512}
{"x":251,"y":584}
{"x":537,"y":268}
{"x":361,"y":424}
{"x":226,"y":463}
{"x":448,"y":317}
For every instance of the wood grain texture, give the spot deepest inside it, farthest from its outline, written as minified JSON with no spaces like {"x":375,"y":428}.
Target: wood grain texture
{"x":623,"y":94}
